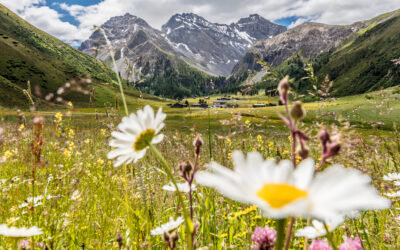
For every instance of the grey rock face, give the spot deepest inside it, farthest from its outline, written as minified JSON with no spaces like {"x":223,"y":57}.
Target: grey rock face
{"x":216,"y":47}
{"x":139,"y":49}
{"x":310,"y":39}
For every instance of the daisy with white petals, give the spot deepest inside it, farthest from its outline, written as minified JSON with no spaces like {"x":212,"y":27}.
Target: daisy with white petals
{"x":183,"y":187}
{"x":281,"y":191}
{"x":167,"y":227}
{"x":136,"y":132}
{"x":19,"y":232}
{"x":392,"y":177}
{"x":318,"y":228}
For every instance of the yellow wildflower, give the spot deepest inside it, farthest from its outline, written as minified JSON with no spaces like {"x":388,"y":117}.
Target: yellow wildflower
{"x":7,"y":154}
{"x":67,"y":153}
{"x":21,"y":128}
{"x":100,"y":161}
{"x":71,"y":133}
{"x":247,"y":122}
{"x":59,"y":117}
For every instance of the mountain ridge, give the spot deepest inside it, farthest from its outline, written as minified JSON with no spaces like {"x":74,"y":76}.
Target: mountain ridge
{"x":209,"y":47}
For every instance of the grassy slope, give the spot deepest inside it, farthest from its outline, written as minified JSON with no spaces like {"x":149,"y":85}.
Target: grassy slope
{"x":28,"y":53}
{"x":365,"y":63}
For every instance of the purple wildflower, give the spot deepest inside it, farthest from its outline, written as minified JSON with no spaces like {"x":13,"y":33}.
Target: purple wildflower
{"x":351,"y":244}
{"x":264,"y":238}
{"x":319,"y":245}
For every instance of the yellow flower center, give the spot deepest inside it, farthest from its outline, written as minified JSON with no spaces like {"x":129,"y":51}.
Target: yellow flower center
{"x":144,"y":139}
{"x":279,"y":195}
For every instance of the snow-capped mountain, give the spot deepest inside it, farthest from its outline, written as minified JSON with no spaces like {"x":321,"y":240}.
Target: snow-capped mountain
{"x":216,"y":47}
{"x":141,"y":50}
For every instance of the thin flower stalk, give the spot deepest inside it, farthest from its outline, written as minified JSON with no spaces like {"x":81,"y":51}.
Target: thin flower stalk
{"x":116,"y":70}
{"x":188,"y":222}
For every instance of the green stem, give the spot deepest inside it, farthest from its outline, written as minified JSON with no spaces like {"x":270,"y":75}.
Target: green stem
{"x":209,"y":134}
{"x":329,"y":236}
{"x":116,"y":72}
{"x":280,"y":228}
{"x":188,"y":222}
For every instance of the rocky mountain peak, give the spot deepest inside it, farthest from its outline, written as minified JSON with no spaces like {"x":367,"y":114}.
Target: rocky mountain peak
{"x":309,"y":38}
{"x":213,"y":46}
{"x":258,"y":27}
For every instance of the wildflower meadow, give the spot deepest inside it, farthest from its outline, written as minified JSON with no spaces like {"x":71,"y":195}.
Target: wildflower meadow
{"x":145,"y":178}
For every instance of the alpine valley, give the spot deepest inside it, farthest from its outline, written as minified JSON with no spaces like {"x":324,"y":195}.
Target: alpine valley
{"x":191,"y":56}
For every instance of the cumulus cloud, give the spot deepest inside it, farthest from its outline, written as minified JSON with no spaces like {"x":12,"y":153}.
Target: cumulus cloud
{"x":298,"y":22}
{"x":49,"y":20}
{"x":45,"y":18}
{"x":19,"y":5}
{"x":157,"y":12}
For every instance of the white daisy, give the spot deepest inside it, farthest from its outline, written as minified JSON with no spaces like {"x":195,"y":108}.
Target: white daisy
{"x":393,"y":195}
{"x":392,"y":177}
{"x":35,"y":201}
{"x":167,"y":227}
{"x":136,"y":132}
{"x":318,"y":229}
{"x":282,"y":191}
{"x":183,"y":187}
{"x":19,"y":232}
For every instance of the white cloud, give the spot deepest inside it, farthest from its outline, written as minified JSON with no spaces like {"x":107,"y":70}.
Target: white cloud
{"x":49,"y":20}
{"x":157,"y":12}
{"x":298,"y":22}
{"x":19,"y":5}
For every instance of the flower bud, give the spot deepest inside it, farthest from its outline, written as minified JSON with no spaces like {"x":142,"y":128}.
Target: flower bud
{"x":186,"y":168}
{"x":324,"y":136}
{"x":120,"y":240}
{"x":304,"y":152}
{"x":166,"y":237}
{"x":174,"y":237}
{"x":198,"y":142}
{"x":283,"y":88}
{"x":333,"y":149}
{"x":1,"y":136}
{"x":297,"y":112}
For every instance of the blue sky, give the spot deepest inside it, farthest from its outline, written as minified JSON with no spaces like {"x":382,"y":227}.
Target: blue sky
{"x":73,"y":20}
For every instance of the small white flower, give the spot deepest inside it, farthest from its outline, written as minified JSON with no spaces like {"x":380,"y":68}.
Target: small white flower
{"x":183,"y":187}
{"x":167,"y":227}
{"x":19,"y":232}
{"x":318,"y":229}
{"x":76,"y":195}
{"x":136,"y":132}
{"x":397,"y":183}
{"x":393,"y":195}
{"x":35,"y":201}
{"x":392,"y":177}
{"x":282,"y":191}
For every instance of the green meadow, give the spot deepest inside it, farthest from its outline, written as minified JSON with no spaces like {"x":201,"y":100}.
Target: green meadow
{"x":84,"y":202}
